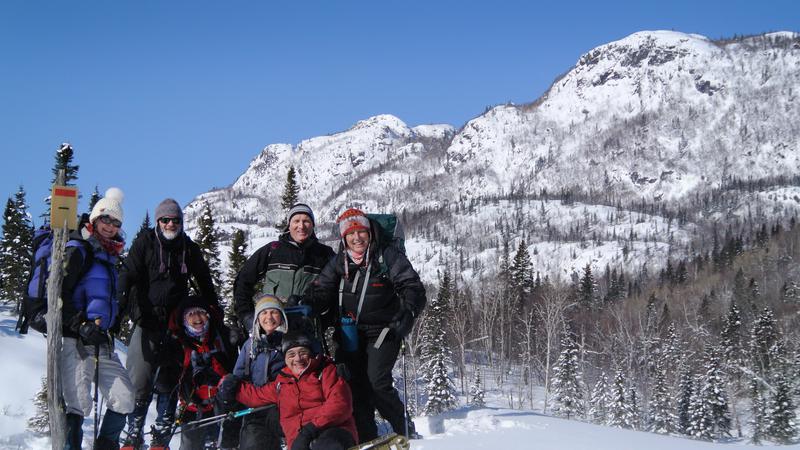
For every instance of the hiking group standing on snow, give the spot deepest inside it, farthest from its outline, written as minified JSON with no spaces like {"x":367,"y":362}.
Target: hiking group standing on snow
{"x":318,"y":334}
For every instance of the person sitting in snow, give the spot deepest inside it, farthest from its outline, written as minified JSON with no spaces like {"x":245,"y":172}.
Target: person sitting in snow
{"x":206,"y":356}
{"x":313,"y":399}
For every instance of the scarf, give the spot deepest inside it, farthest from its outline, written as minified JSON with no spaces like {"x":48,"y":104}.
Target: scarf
{"x":112,"y":246}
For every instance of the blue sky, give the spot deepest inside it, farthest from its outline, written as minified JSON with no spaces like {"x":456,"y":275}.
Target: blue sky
{"x":172,"y":98}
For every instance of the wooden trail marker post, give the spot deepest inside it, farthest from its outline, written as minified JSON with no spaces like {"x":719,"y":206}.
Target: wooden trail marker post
{"x":63,"y":217}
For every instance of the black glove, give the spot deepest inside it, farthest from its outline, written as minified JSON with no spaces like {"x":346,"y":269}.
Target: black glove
{"x":226,"y":391}
{"x":200,"y":362}
{"x":401,"y":323}
{"x":91,"y":334}
{"x":343,"y":371}
{"x":308,"y":433}
{"x":294,"y":300}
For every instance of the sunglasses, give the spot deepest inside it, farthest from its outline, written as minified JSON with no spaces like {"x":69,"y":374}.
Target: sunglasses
{"x":166,"y":220}
{"x":110,"y":221}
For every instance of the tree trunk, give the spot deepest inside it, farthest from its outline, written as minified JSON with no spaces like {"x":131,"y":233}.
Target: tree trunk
{"x":58,"y":420}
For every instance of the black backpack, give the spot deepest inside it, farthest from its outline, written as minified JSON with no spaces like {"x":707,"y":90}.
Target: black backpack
{"x":34,"y":301}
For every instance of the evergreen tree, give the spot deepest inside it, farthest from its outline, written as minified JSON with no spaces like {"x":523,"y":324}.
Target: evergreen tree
{"x":781,"y":425}
{"x":599,"y":401}
{"x":758,"y":416}
{"x":63,"y":161}
{"x":762,"y":338}
{"x":94,"y":199}
{"x":731,"y":340}
{"x":686,"y":394}
{"x":521,"y":276}
{"x":435,"y":351}
{"x":476,"y":392}
{"x":207,"y":240}
{"x":145,"y":226}
{"x":15,"y":250}
{"x":39,"y":423}
{"x":710,"y":413}
{"x":440,"y":390}
{"x":634,"y":411}
{"x":290,"y":192}
{"x":662,"y":419}
{"x":619,"y":410}
{"x":567,"y":384}
{"x":236,"y":259}
{"x":587,"y":288}
{"x":436,"y":316}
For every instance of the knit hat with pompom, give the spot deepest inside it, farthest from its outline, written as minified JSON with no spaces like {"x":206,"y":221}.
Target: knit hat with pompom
{"x":110,"y":205}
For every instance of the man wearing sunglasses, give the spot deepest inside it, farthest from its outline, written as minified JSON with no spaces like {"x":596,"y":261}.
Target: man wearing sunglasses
{"x":155,"y":277}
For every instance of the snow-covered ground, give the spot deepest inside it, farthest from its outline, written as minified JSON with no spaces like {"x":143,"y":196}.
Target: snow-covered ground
{"x":23,"y":359}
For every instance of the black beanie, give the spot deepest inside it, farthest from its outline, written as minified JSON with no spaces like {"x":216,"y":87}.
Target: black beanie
{"x":294,"y":339}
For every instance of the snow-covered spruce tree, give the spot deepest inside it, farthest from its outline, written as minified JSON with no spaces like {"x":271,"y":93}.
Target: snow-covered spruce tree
{"x":290,"y":192}
{"x":434,"y":320}
{"x":39,"y":423}
{"x":587,"y":289}
{"x":710,"y":412}
{"x":63,"y":161}
{"x":476,"y":392}
{"x":207,"y":239}
{"x":684,"y":406}
{"x":435,"y":351}
{"x":15,"y":250}
{"x":619,"y":411}
{"x":634,"y":410}
{"x":236,"y":259}
{"x":662,"y":419}
{"x":599,"y":401}
{"x":521,"y":276}
{"x":94,"y":199}
{"x":758,"y":414}
{"x":440,"y":390}
{"x":731,"y":342}
{"x":762,"y":338}
{"x":567,"y":383}
{"x":781,"y":425}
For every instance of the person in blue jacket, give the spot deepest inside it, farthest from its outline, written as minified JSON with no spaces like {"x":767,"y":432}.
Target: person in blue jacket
{"x":89,"y":311}
{"x":260,"y":361}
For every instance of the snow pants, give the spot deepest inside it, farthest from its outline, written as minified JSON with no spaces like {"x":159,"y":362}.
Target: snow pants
{"x":77,"y":375}
{"x":261,"y":431}
{"x":145,"y":356}
{"x":372,"y":385}
{"x":77,"y":370}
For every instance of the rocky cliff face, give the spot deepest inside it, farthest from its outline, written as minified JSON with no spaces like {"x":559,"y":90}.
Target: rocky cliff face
{"x":628,"y":158}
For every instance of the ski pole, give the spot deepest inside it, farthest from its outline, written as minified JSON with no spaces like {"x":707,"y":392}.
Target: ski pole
{"x":96,"y":382}
{"x":195,"y":424}
{"x":405,"y":386}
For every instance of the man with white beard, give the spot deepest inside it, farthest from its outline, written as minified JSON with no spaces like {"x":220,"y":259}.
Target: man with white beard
{"x":153,"y":280}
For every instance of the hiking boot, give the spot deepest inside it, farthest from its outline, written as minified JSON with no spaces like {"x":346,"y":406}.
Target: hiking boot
{"x":161,"y":433}
{"x":104,"y":443}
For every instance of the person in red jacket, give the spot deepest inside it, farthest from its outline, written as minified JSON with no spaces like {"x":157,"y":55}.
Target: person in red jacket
{"x":313,"y":400}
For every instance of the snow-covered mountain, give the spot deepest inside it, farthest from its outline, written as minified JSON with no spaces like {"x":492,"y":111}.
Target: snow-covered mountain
{"x":630,"y":156}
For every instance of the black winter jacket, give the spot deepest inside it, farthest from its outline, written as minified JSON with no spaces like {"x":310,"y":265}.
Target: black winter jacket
{"x":157,"y":292}
{"x":285,"y":267}
{"x":392,"y":282}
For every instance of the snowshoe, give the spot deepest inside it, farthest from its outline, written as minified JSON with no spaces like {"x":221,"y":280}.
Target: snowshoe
{"x":391,"y":441}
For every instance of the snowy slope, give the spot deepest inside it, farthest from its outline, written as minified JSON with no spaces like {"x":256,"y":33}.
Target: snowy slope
{"x":491,"y":427}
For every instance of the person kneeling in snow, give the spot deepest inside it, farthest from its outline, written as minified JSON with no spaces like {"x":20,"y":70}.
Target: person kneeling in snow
{"x":313,"y":399}
{"x":206,"y":356}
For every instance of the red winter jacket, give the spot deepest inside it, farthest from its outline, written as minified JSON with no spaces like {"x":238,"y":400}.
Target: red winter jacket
{"x":319,"y":396}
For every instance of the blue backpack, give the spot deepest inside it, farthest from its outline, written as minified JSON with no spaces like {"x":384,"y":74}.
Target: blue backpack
{"x":34,"y":302}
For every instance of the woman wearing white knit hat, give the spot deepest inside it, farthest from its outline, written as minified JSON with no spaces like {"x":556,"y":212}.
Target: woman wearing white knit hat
{"x":90,"y":310}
